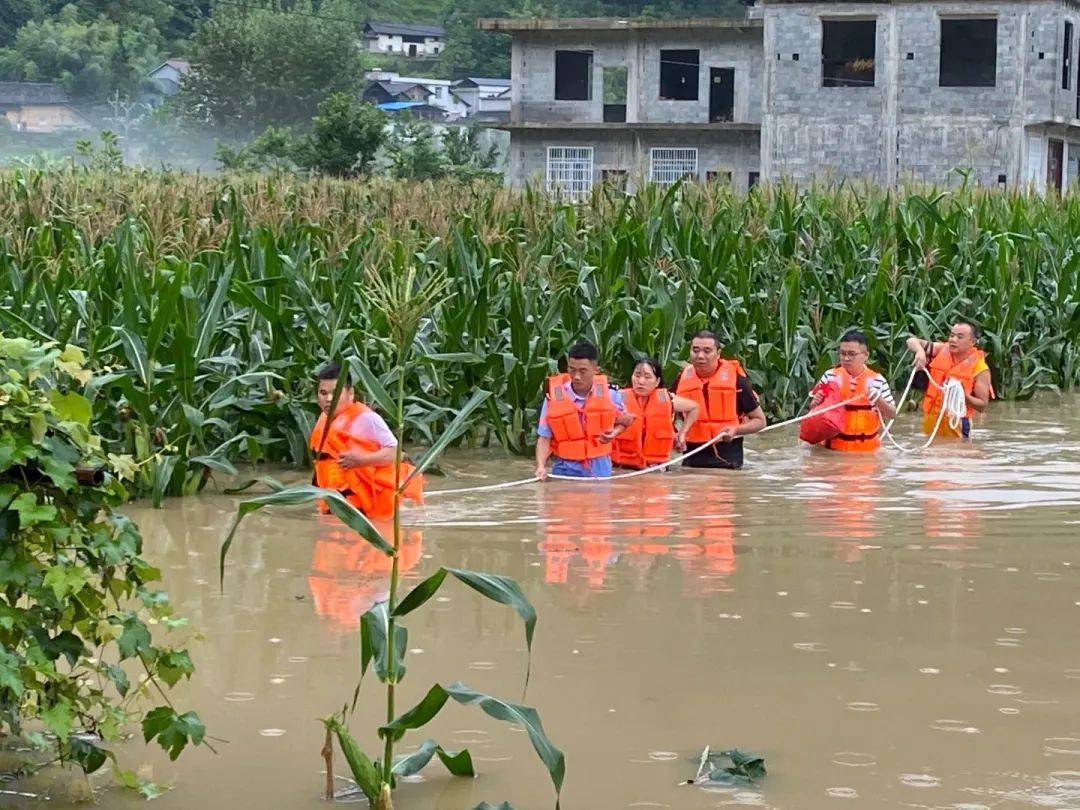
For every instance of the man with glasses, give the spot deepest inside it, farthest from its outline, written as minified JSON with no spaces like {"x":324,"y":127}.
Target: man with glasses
{"x":870,"y":400}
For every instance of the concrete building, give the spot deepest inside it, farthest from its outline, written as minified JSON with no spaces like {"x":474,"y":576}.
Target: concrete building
{"x":38,"y":107}
{"x":404,"y":38}
{"x":878,"y":91}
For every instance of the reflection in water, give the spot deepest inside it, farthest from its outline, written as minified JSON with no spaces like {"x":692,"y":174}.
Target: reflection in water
{"x":895,"y":631}
{"x":349,"y":575}
{"x":586,"y":535}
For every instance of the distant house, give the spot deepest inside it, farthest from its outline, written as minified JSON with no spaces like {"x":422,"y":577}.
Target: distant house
{"x":414,"y":109}
{"x":168,"y":75}
{"x":477,"y":94}
{"x":404,"y":38}
{"x":38,"y":107}
{"x":387,"y":91}
{"x":441,"y":90}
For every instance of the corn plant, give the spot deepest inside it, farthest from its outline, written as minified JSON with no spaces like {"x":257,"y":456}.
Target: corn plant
{"x":206,"y":302}
{"x":405,"y":299}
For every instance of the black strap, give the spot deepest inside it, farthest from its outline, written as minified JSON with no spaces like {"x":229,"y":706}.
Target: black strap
{"x":855,"y":437}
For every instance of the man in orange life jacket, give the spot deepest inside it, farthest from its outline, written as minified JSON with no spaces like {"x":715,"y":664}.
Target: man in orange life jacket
{"x":873,"y":401}
{"x":958,"y":359}
{"x":579,"y":418}
{"x":727,"y":405}
{"x":356,"y":455}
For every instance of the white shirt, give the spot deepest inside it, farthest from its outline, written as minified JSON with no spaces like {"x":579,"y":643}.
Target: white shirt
{"x":875,"y":382}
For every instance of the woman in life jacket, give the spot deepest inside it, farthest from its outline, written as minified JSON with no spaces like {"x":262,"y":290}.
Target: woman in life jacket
{"x":960,"y":360}
{"x":866,"y":392}
{"x":355,"y":454}
{"x":649,"y":439}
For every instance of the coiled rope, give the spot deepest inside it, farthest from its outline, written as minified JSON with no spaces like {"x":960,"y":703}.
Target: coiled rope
{"x":953,"y":404}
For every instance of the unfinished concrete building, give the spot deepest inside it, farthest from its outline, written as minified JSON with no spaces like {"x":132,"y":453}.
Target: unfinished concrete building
{"x":878,"y":91}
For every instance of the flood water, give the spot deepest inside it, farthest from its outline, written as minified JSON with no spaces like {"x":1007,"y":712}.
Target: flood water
{"x":898,"y":631}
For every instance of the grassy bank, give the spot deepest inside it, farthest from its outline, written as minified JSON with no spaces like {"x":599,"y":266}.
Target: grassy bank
{"x":205,"y":303}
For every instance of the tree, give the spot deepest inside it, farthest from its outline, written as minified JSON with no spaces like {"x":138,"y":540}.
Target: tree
{"x":345,"y":136}
{"x":414,"y":152}
{"x":257,"y":68}
{"x":91,"y":59}
{"x":470,"y":52}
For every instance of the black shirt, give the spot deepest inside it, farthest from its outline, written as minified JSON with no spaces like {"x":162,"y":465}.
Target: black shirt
{"x":726,"y":455}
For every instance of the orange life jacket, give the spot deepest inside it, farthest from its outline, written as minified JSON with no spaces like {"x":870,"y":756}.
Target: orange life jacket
{"x":649,"y":439}
{"x":861,"y":421}
{"x":369,"y":489}
{"x":719,"y":411}
{"x":941,"y":368}
{"x":576,"y":431}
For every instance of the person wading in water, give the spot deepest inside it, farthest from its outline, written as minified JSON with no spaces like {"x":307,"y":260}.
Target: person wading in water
{"x":873,"y":401}
{"x":959,"y":359}
{"x":727,"y":405}
{"x":649,"y":439}
{"x":579,"y":419}
{"x":355,"y":456}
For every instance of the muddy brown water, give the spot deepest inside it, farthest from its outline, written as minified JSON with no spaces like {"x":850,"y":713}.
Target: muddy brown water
{"x":898,"y":631}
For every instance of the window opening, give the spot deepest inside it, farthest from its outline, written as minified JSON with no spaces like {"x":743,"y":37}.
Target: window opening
{"x":848,"y":51}
{"x":968,"y":53}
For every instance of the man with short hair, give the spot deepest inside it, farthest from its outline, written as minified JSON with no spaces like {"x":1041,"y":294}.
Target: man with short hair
{"x":579,"y":418}
{"x":871,"y":401}
{"x":356,"y":454}
{"x":958,"y":359}
{"x":727,"y":405}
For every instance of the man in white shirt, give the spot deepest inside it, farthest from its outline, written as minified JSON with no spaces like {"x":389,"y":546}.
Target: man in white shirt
{"x":871,"y":403}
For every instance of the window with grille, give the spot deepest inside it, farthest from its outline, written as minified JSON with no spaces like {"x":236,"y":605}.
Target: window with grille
{"x":570,"y":170}
{"x":666,"y":165}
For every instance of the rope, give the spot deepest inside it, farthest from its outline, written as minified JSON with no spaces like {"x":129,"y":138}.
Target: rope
{"x":953,"y":404}
{"x":633,"y":473}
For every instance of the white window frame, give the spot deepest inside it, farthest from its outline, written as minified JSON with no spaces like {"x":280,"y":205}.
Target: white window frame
{"x":569,"y":171}
{"x":668,"y":164}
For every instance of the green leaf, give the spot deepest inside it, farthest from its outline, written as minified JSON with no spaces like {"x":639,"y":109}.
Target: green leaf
{"x":89,"y":756}
{"x":10,"y":677}
{"x":172,"y":731}
{"x":293,"y":496}
{"x":64,"y":580}
{"x":503,"y":590}
{"x":373,"y":646}
{"x":525,"y":716}
{"x":58,"y":718}
{"x":174,"y":665}
{"x":451,"y":432}
{"x":38,"y":427}
{"x":135,"y":638}
{"x":135,"y":351}
{"x":71,"y":407}
{"x":375,"y":390}
{"x":459,"y":764}
{"x":31,"y":512}
{"x":363,"y":769}
{"x":418,"y":716}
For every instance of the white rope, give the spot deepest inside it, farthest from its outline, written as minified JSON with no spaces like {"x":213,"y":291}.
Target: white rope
{"x":953,"y":405}
{"x":633,"y":473}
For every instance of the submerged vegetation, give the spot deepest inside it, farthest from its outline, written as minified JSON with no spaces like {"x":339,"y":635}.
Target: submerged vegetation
{"x":404,"y":299}
{"x":207,"y":303}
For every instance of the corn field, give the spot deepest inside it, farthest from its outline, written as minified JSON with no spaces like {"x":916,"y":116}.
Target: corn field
{"x":205,"y":304}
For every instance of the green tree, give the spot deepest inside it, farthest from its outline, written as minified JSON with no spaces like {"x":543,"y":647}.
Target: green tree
{"x":276,"y":148}
{"x":345,"y":136}
{"x":91,"y":58}
{"x":76,"y":598}
{"x":257,"y":68}
{"x":414,"y":152}
{"x":470,"y":52}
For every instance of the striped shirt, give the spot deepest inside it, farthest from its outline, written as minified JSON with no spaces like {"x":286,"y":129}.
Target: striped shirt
{"x":875,"y":383}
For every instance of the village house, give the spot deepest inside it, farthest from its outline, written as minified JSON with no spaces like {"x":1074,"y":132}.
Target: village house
{"x":38,"y":107}
{"x":879,"y":91}
{"x":169,"y":75}
{"x":405,"y":39}
{"x":486,"y":100}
